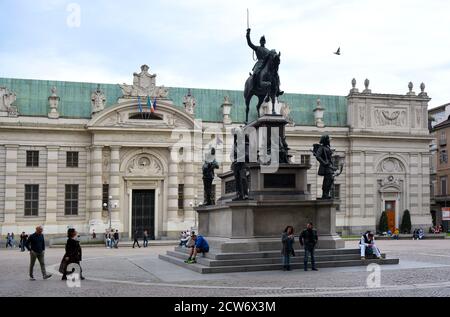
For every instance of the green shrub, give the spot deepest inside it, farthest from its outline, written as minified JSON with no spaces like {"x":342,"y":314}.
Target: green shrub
{"x":383,"y":225}
{"x":405,"y":227}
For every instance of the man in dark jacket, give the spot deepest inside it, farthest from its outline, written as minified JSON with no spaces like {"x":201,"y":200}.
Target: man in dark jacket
{"x":136,"y":241}
{"x":308,"y":240}
{"x":36,"y":245}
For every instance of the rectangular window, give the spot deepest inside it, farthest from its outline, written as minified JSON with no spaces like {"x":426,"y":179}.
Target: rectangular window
{"x":308,"y":188}
{"x":72,"y":159}
{"x":305,"y":159}
{"x":444,"y":157}
{"x":32,"y":158}
{"x":31,"y":200}
{"x":71,"y":200}
{"x":337,"y":191}
{"x":181,"y":196}
{"x":105,"y":195}
{"x":443,"y":186}
{"x":443,"y":138}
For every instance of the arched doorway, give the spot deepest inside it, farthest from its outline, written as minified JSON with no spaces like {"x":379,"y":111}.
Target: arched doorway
{"x":391,"y":189}
{"x":144,"y":176}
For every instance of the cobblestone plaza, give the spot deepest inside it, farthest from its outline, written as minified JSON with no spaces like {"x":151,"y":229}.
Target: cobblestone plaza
{"x":423,"y":271}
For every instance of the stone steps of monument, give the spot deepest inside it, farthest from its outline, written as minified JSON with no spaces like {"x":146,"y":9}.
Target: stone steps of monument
{"x":268,"y":254}
{"x":259,"y":261}
{"x":203,"y":269}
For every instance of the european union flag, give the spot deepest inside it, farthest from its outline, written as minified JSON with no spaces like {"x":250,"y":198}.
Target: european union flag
{"x":154,"y":104}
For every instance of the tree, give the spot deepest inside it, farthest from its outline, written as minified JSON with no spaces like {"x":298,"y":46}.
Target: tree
{"x":383,"y":226}
{"x":405,"y":227}
{"x":434,"y":217}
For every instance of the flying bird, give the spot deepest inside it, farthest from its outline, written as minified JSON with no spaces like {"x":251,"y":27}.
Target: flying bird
{"x":338,"y":52}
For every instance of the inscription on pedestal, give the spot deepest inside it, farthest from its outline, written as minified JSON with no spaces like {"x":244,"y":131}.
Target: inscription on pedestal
{"x":273,"y":181}
{"x":230,"y":186}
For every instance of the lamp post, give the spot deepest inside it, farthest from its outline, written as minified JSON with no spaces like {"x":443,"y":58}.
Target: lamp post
{"x":195,"y":204}
{"x":109,"y":205}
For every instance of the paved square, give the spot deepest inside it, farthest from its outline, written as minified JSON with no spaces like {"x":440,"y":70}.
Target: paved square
{"x":424,"y":270}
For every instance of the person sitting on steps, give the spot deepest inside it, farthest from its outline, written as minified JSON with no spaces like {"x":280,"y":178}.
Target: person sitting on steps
{"x":367,"y":246}
{"x":201,"y":246}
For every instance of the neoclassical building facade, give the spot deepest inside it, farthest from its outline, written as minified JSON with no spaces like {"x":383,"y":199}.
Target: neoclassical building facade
{"x":129,"y":157}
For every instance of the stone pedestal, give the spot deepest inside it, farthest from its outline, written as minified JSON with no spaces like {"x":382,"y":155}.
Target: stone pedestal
{"x":289,"y":182}
{"x":253,"y":226}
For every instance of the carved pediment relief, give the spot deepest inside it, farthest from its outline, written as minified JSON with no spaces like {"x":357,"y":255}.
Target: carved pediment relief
{"x":144,"y":165}
{"x":391,"y":117}
{"x":144,"y":84}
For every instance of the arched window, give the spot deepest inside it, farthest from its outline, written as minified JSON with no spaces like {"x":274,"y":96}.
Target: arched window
{"x":145,"y":116}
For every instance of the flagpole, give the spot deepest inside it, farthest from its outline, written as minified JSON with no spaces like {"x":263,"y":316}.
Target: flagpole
{"x":140,"y":107}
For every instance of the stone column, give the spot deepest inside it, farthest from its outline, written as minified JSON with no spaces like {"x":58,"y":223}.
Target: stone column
{"x":189,"y":191}
{"x":52,"y":188}
{"x":10,"y":186}
{"x":114,"y":185}
{"x":96,"y":189}
{"x":172,"y":209}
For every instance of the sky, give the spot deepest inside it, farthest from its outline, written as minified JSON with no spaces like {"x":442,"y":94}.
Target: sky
{"x":201,"y":43}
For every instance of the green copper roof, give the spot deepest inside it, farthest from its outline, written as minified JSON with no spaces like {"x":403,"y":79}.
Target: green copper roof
{"x":32,"y":100}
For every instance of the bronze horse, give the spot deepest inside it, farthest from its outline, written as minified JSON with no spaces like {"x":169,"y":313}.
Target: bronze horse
{"x":266,"y":84}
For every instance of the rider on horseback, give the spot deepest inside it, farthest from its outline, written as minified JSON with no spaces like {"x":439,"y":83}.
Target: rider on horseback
{"x":262,"y":53}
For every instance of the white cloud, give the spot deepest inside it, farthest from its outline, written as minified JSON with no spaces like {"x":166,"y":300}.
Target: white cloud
{"x":201,"y":43}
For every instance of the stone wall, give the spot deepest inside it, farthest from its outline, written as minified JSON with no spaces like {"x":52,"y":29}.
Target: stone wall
{"x":2,"y":182}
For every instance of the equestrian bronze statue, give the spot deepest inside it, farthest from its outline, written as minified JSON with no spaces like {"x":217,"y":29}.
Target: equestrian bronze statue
{"x":265,"y":81}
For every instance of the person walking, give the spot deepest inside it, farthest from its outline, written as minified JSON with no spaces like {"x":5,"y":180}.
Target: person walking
{"x":13,"y":241}
{"x":136,"y":239}
{"x":287,"y":239}
{"x":145,"y":238}
{"x":36,"y":245}
{"x":107,"y":240}
{"x":73,"y":254}
{"x":8,"y":240}
{"x":308,"y":240}
{"x":94,"y":235}
{"x":23,"y":241}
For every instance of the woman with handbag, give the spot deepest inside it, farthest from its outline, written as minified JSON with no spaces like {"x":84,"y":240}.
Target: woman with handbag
{"x":287,"y":240}
{"x":72,"y":255}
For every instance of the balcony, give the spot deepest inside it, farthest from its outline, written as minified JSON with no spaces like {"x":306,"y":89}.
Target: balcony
{"x":441,"y":198}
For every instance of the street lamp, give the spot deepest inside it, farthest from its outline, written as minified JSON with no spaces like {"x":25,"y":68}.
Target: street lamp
{"x":195,"y":204}
{"x":109,"y":205}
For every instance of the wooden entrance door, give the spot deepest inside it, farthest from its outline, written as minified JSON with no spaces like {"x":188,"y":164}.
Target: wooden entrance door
{"x":390,"y":211}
